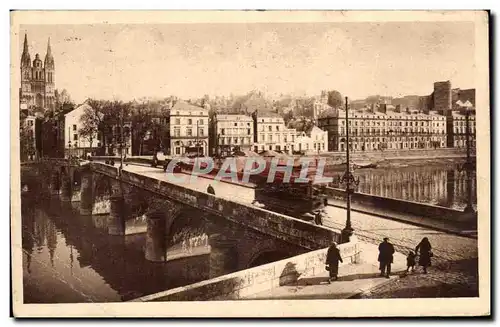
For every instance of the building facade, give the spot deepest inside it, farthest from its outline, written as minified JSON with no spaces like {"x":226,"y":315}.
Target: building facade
{"x":270,"y":133}
{"x":189,"y":130}
{"x":233,"y":132}
{"x":457,"y":122}
{"x":312,"y":141}
{"x":37,"y":79}
{"x":385,"y":130}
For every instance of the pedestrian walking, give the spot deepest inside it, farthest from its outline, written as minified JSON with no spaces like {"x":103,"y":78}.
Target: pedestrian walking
{"x":385,"y":257}
{"x":410,"y":261}
{"x":332,"y":261}
{"x":210,"y":190}
{"x":424,"y":249}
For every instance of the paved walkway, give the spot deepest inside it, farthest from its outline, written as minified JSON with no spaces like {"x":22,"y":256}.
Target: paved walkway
{"x":437,"y":224}
{"x":354,"y":280}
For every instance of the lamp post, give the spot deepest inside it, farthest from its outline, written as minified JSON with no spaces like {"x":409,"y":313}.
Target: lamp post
{"x":349,"y":180}
{"x":121,"y":140}
{"x":468,"y":165}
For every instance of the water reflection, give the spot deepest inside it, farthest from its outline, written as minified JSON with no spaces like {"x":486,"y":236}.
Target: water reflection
{"x":71,"y":258}
{"x":438,"y":185}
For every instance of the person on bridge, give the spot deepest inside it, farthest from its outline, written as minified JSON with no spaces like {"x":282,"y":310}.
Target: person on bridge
{"x":385,"y":257}
{"x":210,"y":190}
{"x":332,"y":261}
{"x":425,"y":253}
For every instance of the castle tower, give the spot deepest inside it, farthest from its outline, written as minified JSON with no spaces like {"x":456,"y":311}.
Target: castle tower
{"x":37,"y":79}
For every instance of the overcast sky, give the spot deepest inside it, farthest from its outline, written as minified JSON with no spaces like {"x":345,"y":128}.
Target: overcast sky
{"x":190,"y":60}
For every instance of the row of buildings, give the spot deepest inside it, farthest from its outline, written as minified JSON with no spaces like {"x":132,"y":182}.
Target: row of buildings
{"x":193,"y":131}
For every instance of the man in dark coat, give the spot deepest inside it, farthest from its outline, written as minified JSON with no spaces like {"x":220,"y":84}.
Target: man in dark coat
{"x":332,"y":261}
{"x":385,"y":257}
{"x":210,"y":190}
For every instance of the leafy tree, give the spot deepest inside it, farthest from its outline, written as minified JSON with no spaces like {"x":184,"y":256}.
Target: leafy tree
{"x":335,"y":99}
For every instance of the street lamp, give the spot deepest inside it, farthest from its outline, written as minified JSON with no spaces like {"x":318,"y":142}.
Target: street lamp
{"x":468,"y":166}
{"x":349,"y":180}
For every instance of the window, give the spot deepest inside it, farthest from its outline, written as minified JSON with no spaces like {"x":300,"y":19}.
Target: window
{"x":190,"y":121}
{"x":270,"y":138}
{"x":270,"y":128}
{"x":200,"y":122}
{"x":75,"y":137}
{"x":189,"y":132}
{"x":177,"y":132}
{"x":235,"y":140}
{"x":202,"y":132}
{"x":177,"y":150}
{"x":222,"y":131}
{"x":277,"y":128}
{"x":235,"y":124}
{"x":177,"y":113}
{"x":248,"y":131}
{"x":74,"y":127}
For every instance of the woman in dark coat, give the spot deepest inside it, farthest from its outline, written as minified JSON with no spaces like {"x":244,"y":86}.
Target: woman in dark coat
{"x":332,"y":261}
{"x":425,"y":253}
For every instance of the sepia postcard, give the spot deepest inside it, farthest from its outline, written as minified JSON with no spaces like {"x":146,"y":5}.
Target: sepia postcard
{"x":250,"y":164}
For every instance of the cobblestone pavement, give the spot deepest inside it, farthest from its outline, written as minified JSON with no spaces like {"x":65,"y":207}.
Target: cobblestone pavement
{"x":454,"y":265}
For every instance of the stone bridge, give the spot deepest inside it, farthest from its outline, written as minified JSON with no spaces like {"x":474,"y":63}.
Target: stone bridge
{"x":180,"y":220}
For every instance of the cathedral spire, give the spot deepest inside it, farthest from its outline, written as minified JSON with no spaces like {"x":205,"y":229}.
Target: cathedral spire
{"x":49,"y":60}
{"x":25,"y":57}
{"x":49,"y":50}
{"x":25,"y":47}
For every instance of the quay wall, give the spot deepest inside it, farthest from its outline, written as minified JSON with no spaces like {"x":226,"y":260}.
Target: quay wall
{"x":244,"y":283}
{"x":403,"y":206}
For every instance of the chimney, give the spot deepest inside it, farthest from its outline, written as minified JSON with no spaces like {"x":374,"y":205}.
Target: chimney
{"x":398,"y":108}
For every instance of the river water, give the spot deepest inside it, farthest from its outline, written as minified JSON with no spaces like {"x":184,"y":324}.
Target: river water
{"x":432,"y":182}
{"x":69,"y":258}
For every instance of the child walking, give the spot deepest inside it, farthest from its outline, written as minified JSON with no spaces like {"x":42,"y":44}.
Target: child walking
{"x":410,"y":261}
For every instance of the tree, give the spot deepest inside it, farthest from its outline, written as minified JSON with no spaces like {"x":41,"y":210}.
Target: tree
{"x":335,"y":99}
{"x":63,"y":101}
{"x":142,"y":123}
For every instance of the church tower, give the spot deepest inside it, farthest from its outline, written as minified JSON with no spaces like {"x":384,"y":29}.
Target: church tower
{"x":37,"y":80}
{"x":49,"y":68}
{"x":25,"y":91}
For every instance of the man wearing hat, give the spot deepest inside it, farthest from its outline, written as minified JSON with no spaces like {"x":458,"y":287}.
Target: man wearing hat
{"x":385,"y":257}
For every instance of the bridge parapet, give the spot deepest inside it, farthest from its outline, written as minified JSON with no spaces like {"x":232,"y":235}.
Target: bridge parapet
{"x":283,"y":227}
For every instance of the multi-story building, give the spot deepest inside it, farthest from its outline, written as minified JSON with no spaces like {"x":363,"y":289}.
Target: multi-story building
{"x":188,"y":130}
{"x":270,"y":133}
{"x":457,"y":129}
{"x":314,"y":140}
{"x":232,"y":132}
{"x":384,"y":130}
{"x":37,"y":79}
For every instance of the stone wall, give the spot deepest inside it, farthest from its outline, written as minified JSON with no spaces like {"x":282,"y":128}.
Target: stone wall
{"x":282,"y":227}
{"x":397,"y":205}
{"x":242,"y":284}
